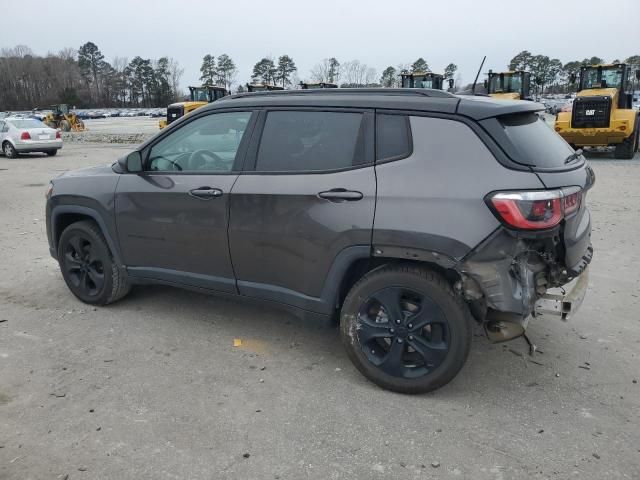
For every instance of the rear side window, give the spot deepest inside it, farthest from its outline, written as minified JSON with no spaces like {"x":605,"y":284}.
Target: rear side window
{"x":533,"y":142}
{"x":308,"y":141}
{"x":393,"y":137}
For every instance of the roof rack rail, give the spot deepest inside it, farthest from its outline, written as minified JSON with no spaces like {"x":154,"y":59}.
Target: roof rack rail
{"x":424,"y":92}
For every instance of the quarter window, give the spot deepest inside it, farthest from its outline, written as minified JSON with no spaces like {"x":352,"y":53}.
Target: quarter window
{"x":310,"y":141}
{"x":207,"y":144}
{"x":393,"y":138}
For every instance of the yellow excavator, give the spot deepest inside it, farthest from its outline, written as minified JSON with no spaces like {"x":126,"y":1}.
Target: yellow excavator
{"x":602,"y":114}
{"x":60,"y":117}
{"x":422,"y":80}
{"x":198,"y":97}
{"x":513,"y":85}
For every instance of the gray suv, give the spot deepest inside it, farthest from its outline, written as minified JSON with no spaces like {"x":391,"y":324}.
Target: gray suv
{"x":405,"y":214}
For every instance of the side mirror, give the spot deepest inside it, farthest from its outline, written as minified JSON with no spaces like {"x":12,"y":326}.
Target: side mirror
{"x":132,"y":163}
{"x":451,"y":82}
{"x":572,"y":78}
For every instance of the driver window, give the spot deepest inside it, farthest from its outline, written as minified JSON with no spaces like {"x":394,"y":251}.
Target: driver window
{"x":207,"y":144}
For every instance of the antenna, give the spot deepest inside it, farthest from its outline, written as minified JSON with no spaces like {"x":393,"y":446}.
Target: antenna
{"x":473,"y":88}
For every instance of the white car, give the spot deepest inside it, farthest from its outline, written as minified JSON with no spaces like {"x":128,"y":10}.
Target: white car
{"x":25,"y":135}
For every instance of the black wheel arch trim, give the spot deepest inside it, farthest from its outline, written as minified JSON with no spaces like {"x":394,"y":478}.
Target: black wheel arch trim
{"x":59,"y":210}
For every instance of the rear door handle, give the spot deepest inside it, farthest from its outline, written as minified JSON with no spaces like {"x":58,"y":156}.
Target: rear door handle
{"x":205,"y":193}
{"x":341,"y":195}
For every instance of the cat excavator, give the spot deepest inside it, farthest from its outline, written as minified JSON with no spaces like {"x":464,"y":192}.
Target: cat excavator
{"x":61,"y":118}
{"x":512,"y":85}
{"x":198,"y":97}
{"x":602,"y":114}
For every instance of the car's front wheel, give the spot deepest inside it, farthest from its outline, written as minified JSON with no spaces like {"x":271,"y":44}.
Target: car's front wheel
{"x":87,"y":265}
{"x":405,"y":330}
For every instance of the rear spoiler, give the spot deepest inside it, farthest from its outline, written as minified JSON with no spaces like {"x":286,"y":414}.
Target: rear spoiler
{"x":480,"y":108}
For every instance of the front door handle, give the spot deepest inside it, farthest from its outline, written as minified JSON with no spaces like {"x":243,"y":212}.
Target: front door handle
{"x":341,"y":195}
{"x":205,"y":193}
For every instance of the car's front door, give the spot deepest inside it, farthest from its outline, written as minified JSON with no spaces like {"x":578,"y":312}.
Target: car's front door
{"x":172,"y":218}
{"x":305,"y":208}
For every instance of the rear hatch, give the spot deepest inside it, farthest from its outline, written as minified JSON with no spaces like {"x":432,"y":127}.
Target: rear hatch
{"x":531,"y":143}
{"x":38,"y":131}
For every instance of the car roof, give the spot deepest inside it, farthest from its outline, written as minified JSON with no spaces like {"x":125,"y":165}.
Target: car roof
{"x":416,"y":99}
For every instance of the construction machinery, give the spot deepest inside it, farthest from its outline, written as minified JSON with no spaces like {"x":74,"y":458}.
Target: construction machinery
{"x":317,"y":85}
{"x":262,"y":87}
{"x":198,"y":97}
{"x":421,"y":80}
{"x":512,"y":85}
{"x":61,"y":118}
{"x":602,"y":113}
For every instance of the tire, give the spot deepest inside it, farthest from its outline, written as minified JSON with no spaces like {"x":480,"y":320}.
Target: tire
{"x":88,"y":267}
{"x":65,"y":126}
{"x":627,"y":148}
{"x":9,"y":150}
{"x":440,"y":327}
{"x":52,"y":153}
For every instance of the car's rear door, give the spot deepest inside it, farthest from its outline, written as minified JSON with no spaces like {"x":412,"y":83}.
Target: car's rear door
{"x":303,"y":208}
{"x":172,"y":218}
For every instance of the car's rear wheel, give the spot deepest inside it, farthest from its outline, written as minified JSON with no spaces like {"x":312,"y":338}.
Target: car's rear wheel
{"x":87,"y":265}
{"x":51,"y":153}
{"x":9,"y":150}
{"x":627,"y":148}
{"x":405,"y":330}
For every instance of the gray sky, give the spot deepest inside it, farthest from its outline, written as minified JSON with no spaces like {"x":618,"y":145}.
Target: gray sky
{"x":378,"y":33}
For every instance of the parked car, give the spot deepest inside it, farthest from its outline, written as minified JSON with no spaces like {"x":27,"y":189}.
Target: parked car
{"x":26,"y":135}
{"x":405,"y":214}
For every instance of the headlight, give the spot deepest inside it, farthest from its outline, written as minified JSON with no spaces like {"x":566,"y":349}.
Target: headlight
{"x":49,"y":191}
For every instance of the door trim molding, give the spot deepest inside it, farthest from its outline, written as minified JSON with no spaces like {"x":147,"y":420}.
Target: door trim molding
{"x":209,"y":282}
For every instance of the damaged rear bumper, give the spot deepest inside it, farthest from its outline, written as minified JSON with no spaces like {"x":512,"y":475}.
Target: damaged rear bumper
{"x":564,"y":305}
{"x":519,"y":278}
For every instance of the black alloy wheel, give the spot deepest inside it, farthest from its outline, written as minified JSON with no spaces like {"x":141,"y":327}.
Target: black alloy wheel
{"x":84,"y":265}
{"x":405,"y":329}
{"x":403,"y":332}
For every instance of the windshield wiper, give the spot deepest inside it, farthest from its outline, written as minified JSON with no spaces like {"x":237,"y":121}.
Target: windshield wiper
{"x":574,"y":156}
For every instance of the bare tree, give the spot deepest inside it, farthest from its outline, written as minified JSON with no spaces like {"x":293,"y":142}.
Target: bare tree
{"x":175,"y":74}
{"x":356,"y":74}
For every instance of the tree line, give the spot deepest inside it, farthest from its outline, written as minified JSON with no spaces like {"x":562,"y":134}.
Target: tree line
{"x":355,"y":74}
{"x":83,"y":78}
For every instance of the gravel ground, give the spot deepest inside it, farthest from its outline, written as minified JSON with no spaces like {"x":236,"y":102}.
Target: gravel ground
{"x":153,"y":388}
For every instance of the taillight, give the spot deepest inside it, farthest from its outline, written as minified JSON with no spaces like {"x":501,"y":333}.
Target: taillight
{"x":571,"y":200}
{"x":25,"y":136}
{"x":58,"y":134}
{"x":535,"y":210}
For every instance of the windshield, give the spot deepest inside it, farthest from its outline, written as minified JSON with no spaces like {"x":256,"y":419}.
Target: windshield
{"x":505,"y":83}
{"x":599,"y":77}
{"x":199,"y":95}
{"x":418,"y":81}
{"x":27,"y":123}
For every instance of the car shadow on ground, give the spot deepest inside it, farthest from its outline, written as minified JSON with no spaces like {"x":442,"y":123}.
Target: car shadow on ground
{"x":276,"y":333}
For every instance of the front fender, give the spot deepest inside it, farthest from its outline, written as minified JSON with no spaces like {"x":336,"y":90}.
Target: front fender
{"x":60,"y":210}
